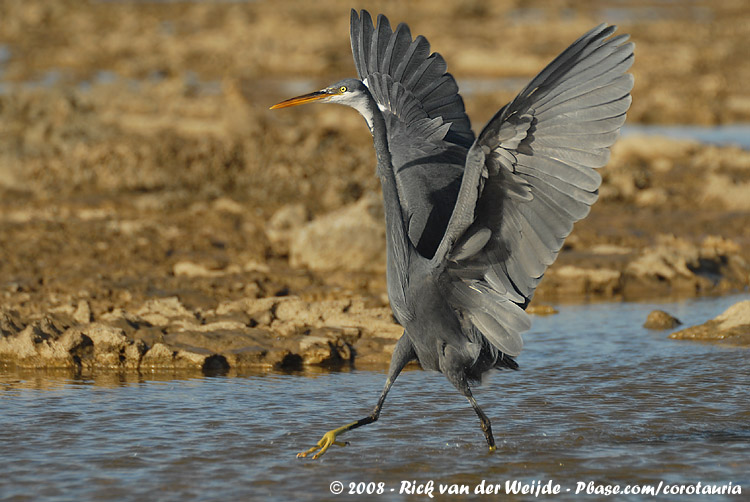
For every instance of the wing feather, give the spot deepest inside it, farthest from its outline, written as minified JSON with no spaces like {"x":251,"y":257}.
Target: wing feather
{"x":584,"y":127}
{"x":529,"y":176}
{"x":516,"y":190}
{"x":379,"y":44}
{"x":427,"y":127}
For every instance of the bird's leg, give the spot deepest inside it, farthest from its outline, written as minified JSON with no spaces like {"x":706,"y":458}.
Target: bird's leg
{"x":329,"y":438}
{"x":486,"y":425}
{"x":459,"y":381}
{"x":402,"y":354}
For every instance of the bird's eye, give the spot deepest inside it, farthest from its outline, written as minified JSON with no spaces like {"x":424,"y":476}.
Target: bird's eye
{"x":342,"y":88}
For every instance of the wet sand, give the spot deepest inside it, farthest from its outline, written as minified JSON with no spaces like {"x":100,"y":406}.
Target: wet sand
{"x":150,"y":200}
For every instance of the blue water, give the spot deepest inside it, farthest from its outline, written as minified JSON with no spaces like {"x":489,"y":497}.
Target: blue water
{"x":598,"y":399}
{"x":731,"y":134}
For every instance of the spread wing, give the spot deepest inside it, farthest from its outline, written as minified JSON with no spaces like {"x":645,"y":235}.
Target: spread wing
{"x":427,"y":127}
{"x":529,"y":176}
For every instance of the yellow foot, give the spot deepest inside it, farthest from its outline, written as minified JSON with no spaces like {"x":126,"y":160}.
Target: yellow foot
{"x":493,"y":448}
{"x":328,"y":439}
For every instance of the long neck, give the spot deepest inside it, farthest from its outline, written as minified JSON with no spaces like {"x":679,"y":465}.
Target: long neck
{"x":397,"y":241}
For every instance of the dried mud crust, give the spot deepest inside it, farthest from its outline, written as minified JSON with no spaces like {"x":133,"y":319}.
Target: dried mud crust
{"x":159,"y":216}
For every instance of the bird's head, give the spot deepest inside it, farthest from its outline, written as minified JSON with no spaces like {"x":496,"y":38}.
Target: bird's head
{"x":349,"y":91}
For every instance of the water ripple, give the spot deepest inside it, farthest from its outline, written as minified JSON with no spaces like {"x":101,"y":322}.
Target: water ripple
{"x":597,"y":398}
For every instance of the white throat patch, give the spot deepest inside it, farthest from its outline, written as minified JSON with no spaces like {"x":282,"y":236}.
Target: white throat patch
{"x":358,"y":103}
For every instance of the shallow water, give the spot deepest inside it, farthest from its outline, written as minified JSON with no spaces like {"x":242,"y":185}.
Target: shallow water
{"x":598,"y":398}
{"x":731,"y":134}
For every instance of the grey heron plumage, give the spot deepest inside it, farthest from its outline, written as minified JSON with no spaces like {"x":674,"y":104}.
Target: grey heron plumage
{"x":472,"y":223}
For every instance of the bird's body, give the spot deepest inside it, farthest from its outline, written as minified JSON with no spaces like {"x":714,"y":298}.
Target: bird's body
{"x":473,"y":222}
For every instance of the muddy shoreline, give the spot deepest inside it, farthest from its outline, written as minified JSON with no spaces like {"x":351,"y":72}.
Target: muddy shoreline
{"x":154,"y":213}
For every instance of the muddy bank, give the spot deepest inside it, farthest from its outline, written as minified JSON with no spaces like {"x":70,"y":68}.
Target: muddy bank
{"x":154,"y":213}
{"x":285,"y":332}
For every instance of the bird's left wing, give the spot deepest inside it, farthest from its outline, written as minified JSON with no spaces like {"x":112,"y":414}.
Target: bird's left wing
{"x":427,"y":127}
{"x":529,"y":176}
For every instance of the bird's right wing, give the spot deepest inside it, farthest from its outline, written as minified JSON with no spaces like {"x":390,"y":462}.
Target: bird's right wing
{"x":427,"y":127}
{"x":529,"y":176}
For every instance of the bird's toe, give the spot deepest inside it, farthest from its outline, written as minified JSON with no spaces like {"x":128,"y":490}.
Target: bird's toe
{"x":325,"y":442}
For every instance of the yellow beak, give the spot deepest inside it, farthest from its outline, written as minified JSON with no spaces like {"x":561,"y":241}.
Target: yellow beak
{"x":300,"y":100}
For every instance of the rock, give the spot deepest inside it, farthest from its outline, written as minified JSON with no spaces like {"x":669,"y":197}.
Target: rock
{"x":371,"y":350}
{"x":78,"y":346}
{"x":282,"y":332}
{"x":301,"y":312}
{"x":104,"y":335}
{"x":658,"y":319}
{"x":736,"y":315}
{"x":82,"y":314}
{"x":652,"y":197}
{"x":674,"y":265}
{"x":282,"y":225}
{"x":218,"y":341}
{"x":325,"y":347}
{"x":228,"y":205}
{"x":732,"y":326}
{"x":610,"y":249}
{"x":133,"y":353}
{"x":109,"y":344}
{"x":192,"y":359}
{"x":96,"y":345}
{"x":10,"y":323}
{"x":250,"y":356}
{"x":668,"y":260}
{"x":572,"y":280}
{"x":39,"y":344}
{"x":351,"y":238}
{"x":20,"y":348}
{"x":255,"y":266}
{"x":191,"y":269}
{"x":164,"y":311}
{"x":728,"y":192}
{"x":159,"y":356}
{"x":541,"y":309}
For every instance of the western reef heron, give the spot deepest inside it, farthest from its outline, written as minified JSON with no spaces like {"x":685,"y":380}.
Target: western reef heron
{"x":472,"y":222}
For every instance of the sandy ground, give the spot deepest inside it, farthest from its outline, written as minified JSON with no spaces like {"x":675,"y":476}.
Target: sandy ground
{"x":154,"y":212}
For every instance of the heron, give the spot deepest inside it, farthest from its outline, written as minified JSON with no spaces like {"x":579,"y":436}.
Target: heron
{"x":472,"y":222}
